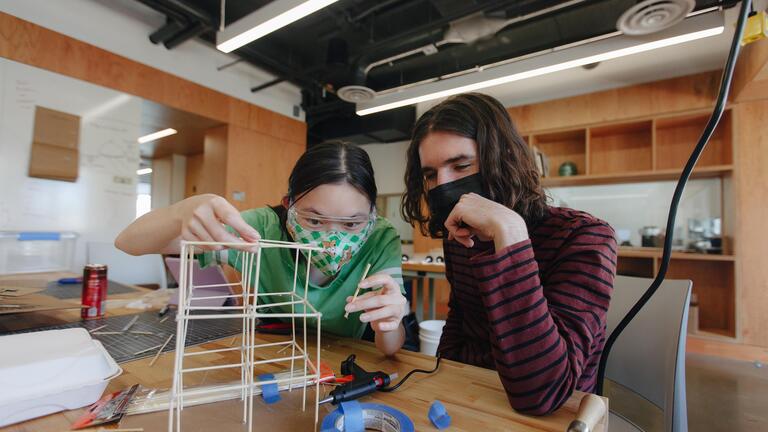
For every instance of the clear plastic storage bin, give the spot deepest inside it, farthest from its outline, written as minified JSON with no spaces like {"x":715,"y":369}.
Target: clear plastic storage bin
{"x":30,"y":252}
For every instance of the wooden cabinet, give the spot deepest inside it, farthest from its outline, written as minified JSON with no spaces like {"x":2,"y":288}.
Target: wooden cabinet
{"x":649,"y":149}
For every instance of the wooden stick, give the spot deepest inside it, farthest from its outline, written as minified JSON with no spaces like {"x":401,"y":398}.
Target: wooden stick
{"x":130,"y":324}
{"x":107,"y":333}
{"x":357,"y":291}
{"x":148,"y":349}
{"x":96,"y":329}
{"x":154,"y":359}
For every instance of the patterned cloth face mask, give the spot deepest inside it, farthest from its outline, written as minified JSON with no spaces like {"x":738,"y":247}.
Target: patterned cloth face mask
{"x":340,"y":237}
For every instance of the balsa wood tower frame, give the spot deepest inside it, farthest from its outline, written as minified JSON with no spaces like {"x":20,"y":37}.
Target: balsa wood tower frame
{"x":255,"y":304}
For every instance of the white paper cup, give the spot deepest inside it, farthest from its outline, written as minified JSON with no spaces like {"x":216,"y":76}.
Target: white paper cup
{"x":428,"y":345}
{"x":431,"y":328}
{"x":429,"y":336}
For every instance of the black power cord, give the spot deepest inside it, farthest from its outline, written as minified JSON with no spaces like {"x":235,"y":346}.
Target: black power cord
{"x":717,"y":113}
{"x":408,"y":375}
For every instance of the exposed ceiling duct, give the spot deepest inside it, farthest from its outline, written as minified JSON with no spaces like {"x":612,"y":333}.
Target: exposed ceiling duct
{"x":355,"y":51}
{"x":651,"y":16}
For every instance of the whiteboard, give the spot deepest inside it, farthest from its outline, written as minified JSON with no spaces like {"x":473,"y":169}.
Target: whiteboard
{"x":103,"y":200}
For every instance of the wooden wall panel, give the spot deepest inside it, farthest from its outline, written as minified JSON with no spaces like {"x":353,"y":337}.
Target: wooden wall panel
{"x":276,"y":125}
{"x":194,"y":175}
{"x":215,"y":157}
{"x":667,"y":96}
{"x":259,"y":165}
{"x":751,"y":237}
{"x":750,"y":79}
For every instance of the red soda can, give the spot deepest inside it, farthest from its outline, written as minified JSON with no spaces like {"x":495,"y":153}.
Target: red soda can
{"x":94,"y":297}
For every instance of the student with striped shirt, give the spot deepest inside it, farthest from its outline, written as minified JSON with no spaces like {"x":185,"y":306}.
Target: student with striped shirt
{"x":530,"y":283}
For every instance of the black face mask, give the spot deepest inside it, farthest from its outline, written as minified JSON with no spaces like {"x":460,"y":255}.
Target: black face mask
{"x":443,"y":198}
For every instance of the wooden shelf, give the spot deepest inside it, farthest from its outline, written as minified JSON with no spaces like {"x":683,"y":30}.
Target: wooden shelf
{"x":621,"y":148}
{"x":655,"y":148}
{"x":635,"y":177}
{"x":677,"y":136}
{"x":559,"y":147}
{"x":712,"y":334}
{"x":639,"y":252}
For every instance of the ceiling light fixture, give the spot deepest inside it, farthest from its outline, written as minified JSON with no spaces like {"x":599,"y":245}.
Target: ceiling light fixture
{"x":697,"y":27}
{"x":273,"y":16}
{"x":157,"y":135}
{"x":143,"y":171}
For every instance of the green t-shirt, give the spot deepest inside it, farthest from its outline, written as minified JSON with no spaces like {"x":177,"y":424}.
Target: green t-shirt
{"x":381,"y":250}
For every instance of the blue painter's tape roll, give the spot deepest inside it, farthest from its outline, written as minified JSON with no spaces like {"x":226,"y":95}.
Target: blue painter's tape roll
{"x":35,"y":236}
{"x":438,"y":415}
{"x":269,"y":392}
{"x":375,"y":417}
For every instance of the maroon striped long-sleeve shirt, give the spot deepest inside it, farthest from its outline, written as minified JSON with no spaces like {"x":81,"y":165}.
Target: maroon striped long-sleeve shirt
{"x":536,"y":310}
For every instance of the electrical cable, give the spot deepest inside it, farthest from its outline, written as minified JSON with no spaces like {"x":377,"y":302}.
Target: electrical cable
{"x":714,"y":119}
{"x":408,"y":375}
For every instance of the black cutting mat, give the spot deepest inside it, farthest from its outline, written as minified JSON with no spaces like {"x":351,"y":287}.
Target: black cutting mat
{"x":70,"y":291}
{"x":123,"y":347}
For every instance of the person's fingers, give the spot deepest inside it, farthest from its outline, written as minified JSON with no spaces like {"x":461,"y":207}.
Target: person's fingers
{"x":228,"y":214}
{"x":381,"y":313}
{"x":388,"y":325}
{"x":369,"y":301}
{"x":380,"y":279}
{"x":463,"y":232}
{"x":198,"y":233}
{"x":362,"y":296}
{"x":453,"y":221}
{"x":218,"y":232}
{"x":204,"y":217}
{"x":197,"y":229}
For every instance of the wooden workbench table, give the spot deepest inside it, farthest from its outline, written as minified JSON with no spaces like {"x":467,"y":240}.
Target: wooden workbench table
{"x":472,"y":396}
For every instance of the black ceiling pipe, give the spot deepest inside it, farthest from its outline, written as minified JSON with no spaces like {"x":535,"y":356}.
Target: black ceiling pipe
{"x":190,"y":31}
{"x":165,"y":10}
{"x":191,"y":11}
{"x":431,"y":32}
{"x":267,"y":84}
{"x":165,"y":32}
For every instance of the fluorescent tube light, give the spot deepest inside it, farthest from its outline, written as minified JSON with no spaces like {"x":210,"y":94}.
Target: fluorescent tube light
{"x":693,"y":28}
{"x":143,"y":171}
{"x":273,"y":16}
{"x":157,"y":135}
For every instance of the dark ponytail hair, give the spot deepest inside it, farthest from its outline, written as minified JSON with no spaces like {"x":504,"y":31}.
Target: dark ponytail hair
{"x":332,"y":162}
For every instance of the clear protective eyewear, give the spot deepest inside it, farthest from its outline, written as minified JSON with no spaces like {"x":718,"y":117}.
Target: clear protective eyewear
{"x":314,"y":222}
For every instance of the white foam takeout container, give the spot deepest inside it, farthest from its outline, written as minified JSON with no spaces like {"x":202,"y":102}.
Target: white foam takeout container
{"x":51,"y":371}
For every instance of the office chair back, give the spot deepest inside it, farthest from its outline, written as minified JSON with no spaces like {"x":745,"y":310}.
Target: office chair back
{"x":649,"y":356}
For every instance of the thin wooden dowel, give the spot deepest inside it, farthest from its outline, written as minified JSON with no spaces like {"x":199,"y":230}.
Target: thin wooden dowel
{"x":357,"y":290}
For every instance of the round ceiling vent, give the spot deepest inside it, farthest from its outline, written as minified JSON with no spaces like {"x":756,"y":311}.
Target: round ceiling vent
{"x":650,"y":16}
{"x":355,"y":93}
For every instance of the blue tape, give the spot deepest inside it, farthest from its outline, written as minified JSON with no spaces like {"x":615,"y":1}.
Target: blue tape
{"x":438,"y":415}
{"x":374,"y":416}
{"x":353,"y":416}
{"x":269,"y":392}
{"x":32,"y":236}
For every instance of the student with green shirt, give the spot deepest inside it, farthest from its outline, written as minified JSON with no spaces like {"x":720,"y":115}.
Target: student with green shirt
{"x":330,"y":202}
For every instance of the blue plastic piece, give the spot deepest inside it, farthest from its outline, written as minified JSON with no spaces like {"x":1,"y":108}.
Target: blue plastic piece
{"x":438,"y":415}
{"x":269,"y":392}
{"x":33,"y":236}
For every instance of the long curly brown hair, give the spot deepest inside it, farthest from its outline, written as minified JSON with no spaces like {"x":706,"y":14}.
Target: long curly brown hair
{"x":506,"y":163}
